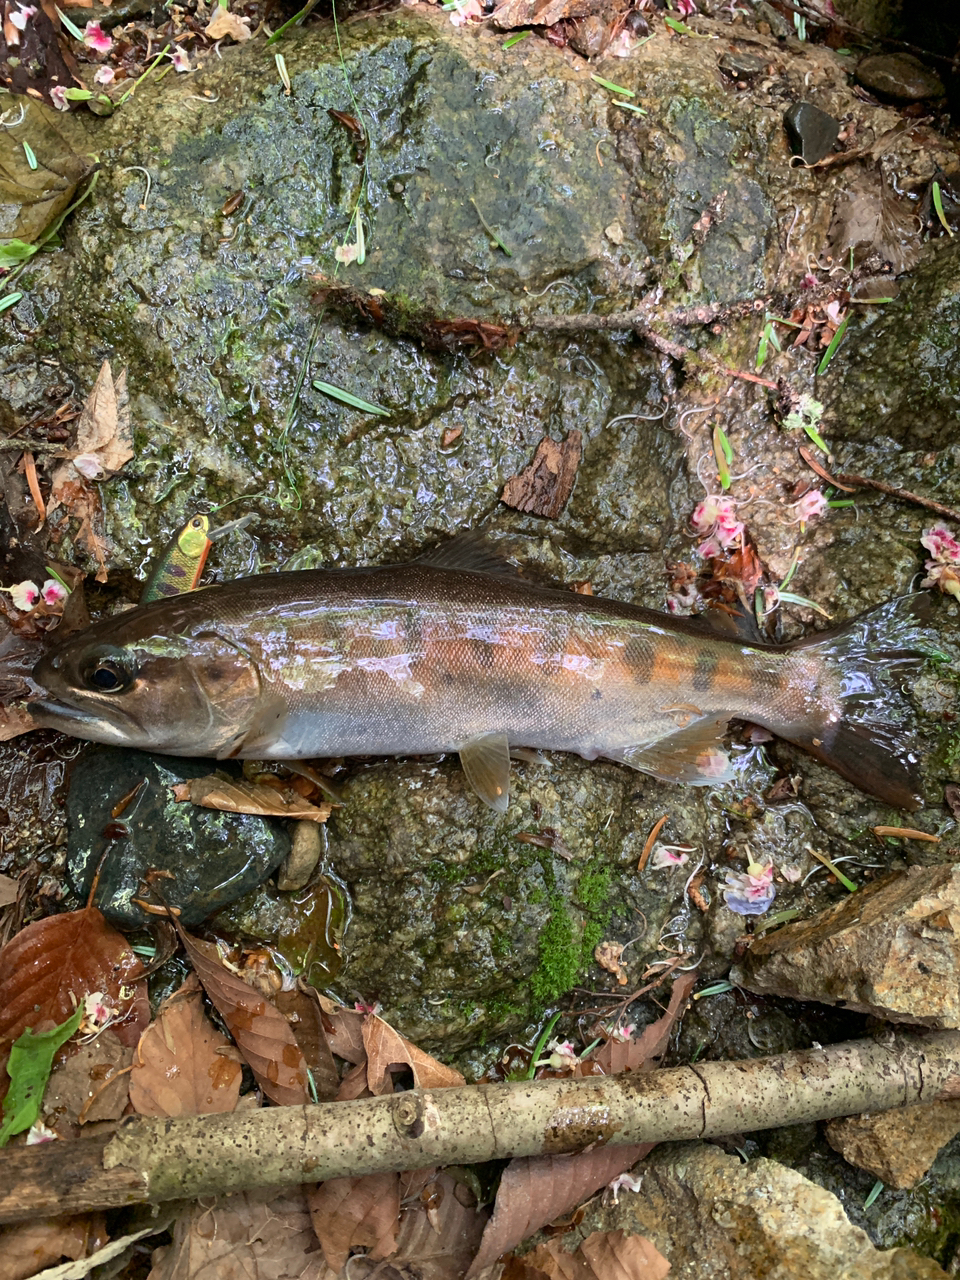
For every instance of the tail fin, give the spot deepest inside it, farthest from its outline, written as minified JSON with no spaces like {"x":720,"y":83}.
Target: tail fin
{"x":872,"y":744}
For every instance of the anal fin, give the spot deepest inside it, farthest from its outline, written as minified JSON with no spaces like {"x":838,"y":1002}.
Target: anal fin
{"x":486,"y":762}
{"x":694,"y":755}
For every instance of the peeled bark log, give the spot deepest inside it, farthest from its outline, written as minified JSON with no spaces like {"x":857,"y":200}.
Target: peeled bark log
{"x":166,"y":1159}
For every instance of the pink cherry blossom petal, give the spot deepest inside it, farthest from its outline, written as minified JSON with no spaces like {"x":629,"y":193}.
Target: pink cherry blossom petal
{"x":95,"y":37}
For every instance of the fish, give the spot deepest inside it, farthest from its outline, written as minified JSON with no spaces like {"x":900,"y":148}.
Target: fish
{"x":456,"y":652}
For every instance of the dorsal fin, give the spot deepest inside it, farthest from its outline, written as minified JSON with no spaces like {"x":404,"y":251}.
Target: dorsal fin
{"x":469,"y":552}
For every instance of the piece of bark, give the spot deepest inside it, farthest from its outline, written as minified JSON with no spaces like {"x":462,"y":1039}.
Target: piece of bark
{"x":542,"y":489}
{"x":165,"y":1159}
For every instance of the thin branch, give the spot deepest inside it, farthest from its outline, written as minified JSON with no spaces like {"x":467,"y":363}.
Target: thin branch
{"x":849,"y":483}
{"x":188,"y":1156}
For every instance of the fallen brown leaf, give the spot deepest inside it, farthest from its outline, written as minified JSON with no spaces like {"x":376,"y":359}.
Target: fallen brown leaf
{"x":302,"y":1010}
{"x":440,"y":1228}
{"x":387,"y":1048}
{"x":535,"y":1190}
{"x":227,"y":25}
{"x":8,"y":891}
{"x":184,"y":1066}
{"x":52,"y":964}
{"x":616,"y":1056}
{"x":262,"y":1033}
{"x":29,"y":1247}
{"x":14,"y":721}
{"x":607,"y":956}
{"x":344,"y":1030}
{"x":542,"y":488}
{"x":92,"y":1085}
{"x":214,"y":792}
{"x":604,"y":1255}
{"x":254,"y":1235}
{"x":349,"y":1213}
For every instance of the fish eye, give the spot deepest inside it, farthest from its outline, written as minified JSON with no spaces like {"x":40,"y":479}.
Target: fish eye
{"x":109,"y":671}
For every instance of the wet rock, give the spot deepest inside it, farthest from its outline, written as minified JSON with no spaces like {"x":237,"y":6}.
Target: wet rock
{"x":302,"y":930}
{"x":205,"y":858}
{"x":810,"y":131}
{"x":899,"y":77}
{"x":900,"y":1146}
{"x":711,"y":1215}
{"x":899,"y":376}
{"x":891,"y":949}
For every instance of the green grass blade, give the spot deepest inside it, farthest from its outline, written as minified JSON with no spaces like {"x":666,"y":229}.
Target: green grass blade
{"x":522,"y":35}
{"x":938,"y":206}
{"x":629,"y":106}
{"x":337,"y":393}
{"x":787,"y":597}
{"x":29,"y":152}
{"x":10,"y":300}
{"x":614,"y":88}
{"x":828,"y":354}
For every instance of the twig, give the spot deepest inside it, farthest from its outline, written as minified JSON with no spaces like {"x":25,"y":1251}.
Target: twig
{"x":154,"y":1160}
{"x":822,"y":472}
{"x":651,"y":841}
{"x":850,"y":483}
{"x":33,"y":484}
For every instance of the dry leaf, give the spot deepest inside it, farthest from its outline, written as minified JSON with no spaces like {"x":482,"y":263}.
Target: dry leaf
{"x":542,"y":489}
{"x":386,"y":1048}
{"x":536,"y":1189}
{"x":92,"y":1085}
{"x":616,"y":1056}
{"x":184,"y":1066}
{"x":348,"y":1213}
{"x":262,"y":1033}
{"x":29,"y":1247}
{"x":604,"y":1255}
{"x":214,"y":792}
{"x":302,"y":1010}
{"x":607,"y":956}
{"x":52,"y":964}
{"x":8,"y":891}
{"x":254,"y":1235}
{"x":440,"y":1229}
{"x":225,"y":25}
{"x":344,"y":1031}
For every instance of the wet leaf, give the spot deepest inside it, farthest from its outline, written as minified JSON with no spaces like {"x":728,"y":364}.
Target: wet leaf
{"x":262,"y":1033}
{"x":871,"y":218}
{"x":214,"y":792}
{"x":92,"y":1085}
{"x":542,"y":488}
{"x":48,"y":968}
{"x":28,"y":1066}
{"x":640,"y":1054}
{"x":14,"y":721}
{"x":29,"y":1247}
{"x":183,"y":1065}
{"x":349,"y":1213}
{"x":344,"y":1031}
{"x":302,"y":1010}
{"x":254,"y":1235}
{"x":386,"y":1048}
{"x":604,"y":1255}
{"x":535,"y":1190}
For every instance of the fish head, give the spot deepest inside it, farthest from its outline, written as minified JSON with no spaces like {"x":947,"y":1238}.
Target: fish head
{"x":143,"y":681}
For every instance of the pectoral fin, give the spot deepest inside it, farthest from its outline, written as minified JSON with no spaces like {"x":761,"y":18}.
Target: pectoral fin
{"x":486,"y":762}
{"x":694,"y":755}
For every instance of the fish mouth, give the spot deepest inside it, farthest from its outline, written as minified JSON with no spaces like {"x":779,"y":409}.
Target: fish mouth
{"x":53,"y":713}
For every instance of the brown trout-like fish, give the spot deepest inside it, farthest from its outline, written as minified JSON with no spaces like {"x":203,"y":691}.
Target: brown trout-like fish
{"x":455,"y":652}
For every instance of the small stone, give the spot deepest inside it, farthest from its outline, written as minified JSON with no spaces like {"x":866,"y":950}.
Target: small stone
{"x":899,"y":77}
{"x":591,"y":37}
{"x":810,"y":131}
{"x":205,"y":858}
{"x":301,"y":861}
{"x":898,"y":1147}
{"x":614,"y":233}
{"x":742,"y":66}
{"x":891,"y":950}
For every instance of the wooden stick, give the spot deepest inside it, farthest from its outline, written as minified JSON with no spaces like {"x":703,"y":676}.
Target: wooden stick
{"x":189,"y":1156}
